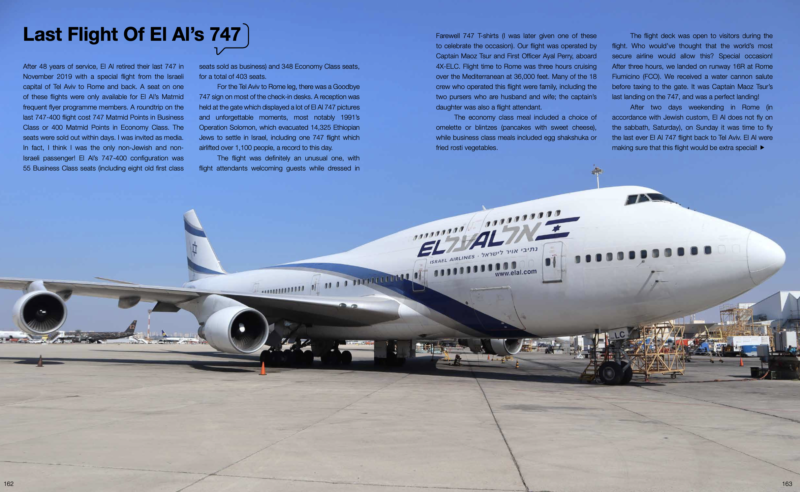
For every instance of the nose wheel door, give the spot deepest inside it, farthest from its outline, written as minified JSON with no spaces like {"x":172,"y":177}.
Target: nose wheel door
{"x":553,"y":262}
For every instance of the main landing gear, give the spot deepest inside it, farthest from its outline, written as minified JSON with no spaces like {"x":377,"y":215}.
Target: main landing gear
{"x":296,"y":356}
{"x":393,"y":353}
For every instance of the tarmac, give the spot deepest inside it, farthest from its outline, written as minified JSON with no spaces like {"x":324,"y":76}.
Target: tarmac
{"x":185,"y":418}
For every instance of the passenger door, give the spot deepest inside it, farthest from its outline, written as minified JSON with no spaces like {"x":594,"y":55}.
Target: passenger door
{"x":552,"y":262}
{"x":315,"y":284}
{"x":420,"y":281}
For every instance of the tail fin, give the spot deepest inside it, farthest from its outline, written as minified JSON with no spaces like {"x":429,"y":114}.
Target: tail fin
{"x":131,"y":328}
{"x":202,"y":260}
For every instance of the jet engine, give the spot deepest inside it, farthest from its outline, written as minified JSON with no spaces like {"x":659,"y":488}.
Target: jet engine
{"x":493,"y":346}
{"x":236,"y":330}
{"x":40,"y":312}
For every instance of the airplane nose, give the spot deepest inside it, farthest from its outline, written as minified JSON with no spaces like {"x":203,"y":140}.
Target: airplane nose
{"x":764,"y":257}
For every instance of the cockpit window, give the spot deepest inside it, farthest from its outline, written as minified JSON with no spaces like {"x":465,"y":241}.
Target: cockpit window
{"x":655,"y":197}
{"x":658,"y":197}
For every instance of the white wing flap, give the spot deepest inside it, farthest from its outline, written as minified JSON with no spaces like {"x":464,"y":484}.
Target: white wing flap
{"x":334,"y":311}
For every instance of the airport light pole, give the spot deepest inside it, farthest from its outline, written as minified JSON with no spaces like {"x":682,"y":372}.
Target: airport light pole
{"x":149,"y":312}
{"x":597,"y":172}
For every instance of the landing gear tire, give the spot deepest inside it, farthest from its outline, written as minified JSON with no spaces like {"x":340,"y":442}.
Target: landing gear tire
{"x":380,"y":361}
{"x":397,"y":361}
{"x":610,"y":373}
{"x":627,"y":373}
{"x":335,"y":357}
{"x":297,"y":356}
{"x":308,"y":357}
{"x":346,"y":358}
{"x":264,"y":359}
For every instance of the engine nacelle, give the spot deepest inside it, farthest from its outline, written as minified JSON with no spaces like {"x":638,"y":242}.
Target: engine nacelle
{"x":40,"y":313}
{"x":493,"y":346}
{"x":236,"y":330}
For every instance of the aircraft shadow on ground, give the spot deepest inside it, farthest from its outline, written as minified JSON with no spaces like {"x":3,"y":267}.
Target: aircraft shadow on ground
{"x":421,"y":365}
{"x":249,"y":364}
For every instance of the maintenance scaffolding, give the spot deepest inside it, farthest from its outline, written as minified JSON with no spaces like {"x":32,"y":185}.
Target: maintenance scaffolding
{"x":647,"y":350}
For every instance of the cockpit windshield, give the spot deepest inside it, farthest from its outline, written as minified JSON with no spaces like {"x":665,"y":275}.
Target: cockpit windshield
{"x":655,"y":197}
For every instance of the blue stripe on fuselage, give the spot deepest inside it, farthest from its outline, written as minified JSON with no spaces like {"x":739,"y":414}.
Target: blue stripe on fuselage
{"x":430,"y":298}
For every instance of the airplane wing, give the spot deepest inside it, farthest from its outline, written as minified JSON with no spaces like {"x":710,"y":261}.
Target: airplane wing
{"x":332,"y":311}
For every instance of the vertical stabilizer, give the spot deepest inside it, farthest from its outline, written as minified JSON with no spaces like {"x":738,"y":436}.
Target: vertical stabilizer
{"x":201,"y":258}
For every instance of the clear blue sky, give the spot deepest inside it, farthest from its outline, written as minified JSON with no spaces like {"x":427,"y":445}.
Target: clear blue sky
{"x":128,"y":227}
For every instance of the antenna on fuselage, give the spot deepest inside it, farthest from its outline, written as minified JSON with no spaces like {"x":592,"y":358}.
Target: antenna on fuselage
{"x":597,"y":172}
{"x":484,"y":207}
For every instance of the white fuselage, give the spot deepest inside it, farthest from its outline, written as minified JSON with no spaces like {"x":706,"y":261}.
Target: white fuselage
{"x":521,"y":271}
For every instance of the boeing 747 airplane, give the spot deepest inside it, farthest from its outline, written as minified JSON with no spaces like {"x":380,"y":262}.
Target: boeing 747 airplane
{"x":571,"y":264}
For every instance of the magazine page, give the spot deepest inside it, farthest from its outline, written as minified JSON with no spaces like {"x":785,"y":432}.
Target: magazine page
{"x":421,"y":245}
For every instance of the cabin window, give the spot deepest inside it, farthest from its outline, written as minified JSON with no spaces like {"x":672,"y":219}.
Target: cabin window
{"x":643,"y":253}
{"x":436,"y":273}
{"x":461,"y":270}
{"x":632,"y":255}
{"x":497,"y":266}
{"x":680,"y":251}
{"x":577,"y":259}
{"x":505,"y":265}
{"x":620,"y":255}
{"x":488,"y":224}
{"x":609,"y":256}
{"x":483,"y":268}
{"x":514,"y":265}
{"x":448,"y":271}
{"x":490,"y":267}
{"x":549,"y":214}
{"x":547,"y":262}
{"x":462,"y":228}
{"x":668,"y":252}
{"x":694,"y":250}
{"x":416,"y":275}
{"x":337,"y":285}
{"x":655,"y":253}
{"x":598,"y":257}
{"x":455,"y":271}
{"x":468,"y":269}
{"x":541,"y":214}
{"x":495,"y":222}
{"x":588,"y":258}
{"x":707,"y":250}
{"x":558,"y":212}
{"x":516,"y":219}
{"x":525,"y":217}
